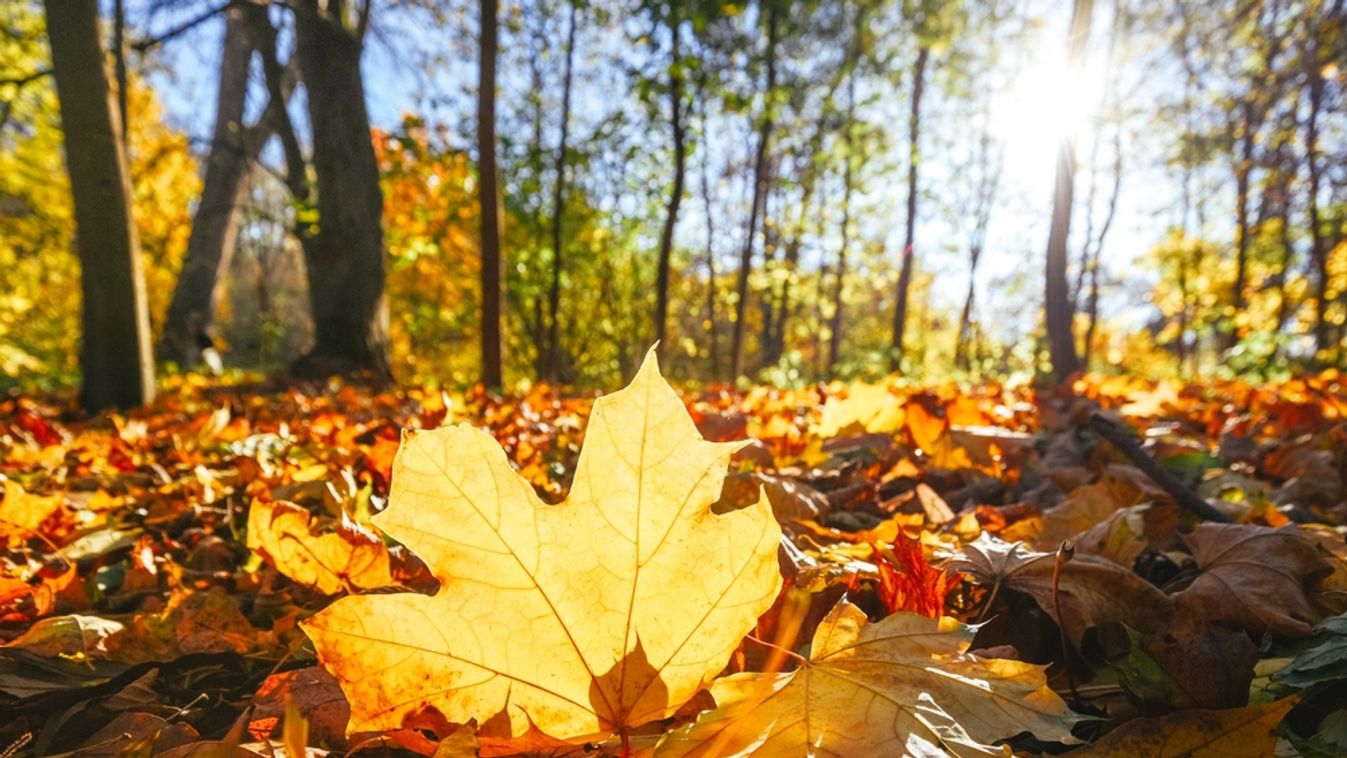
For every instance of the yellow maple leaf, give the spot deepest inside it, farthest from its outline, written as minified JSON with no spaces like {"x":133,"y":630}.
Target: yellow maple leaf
{"x":602,"y":613}
{"x":347,"y":559}
{"x":902,"y":686}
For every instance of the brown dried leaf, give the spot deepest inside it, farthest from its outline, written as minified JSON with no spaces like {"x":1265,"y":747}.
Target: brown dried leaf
{"x":1254,"y":577}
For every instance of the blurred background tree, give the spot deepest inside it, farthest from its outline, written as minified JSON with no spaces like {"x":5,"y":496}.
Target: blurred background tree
{"x":785,"y":191}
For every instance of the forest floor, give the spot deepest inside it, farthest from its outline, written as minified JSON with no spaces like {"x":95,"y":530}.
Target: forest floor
{"x":159,"y":563}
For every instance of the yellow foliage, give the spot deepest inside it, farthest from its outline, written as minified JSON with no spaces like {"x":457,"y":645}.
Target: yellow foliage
{"x":38,"y":266}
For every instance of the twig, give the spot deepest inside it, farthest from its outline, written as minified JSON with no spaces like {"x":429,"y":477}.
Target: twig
{"x":1065,"y":552}
{"x":1182,"y":494}
{"x":140,"y":46}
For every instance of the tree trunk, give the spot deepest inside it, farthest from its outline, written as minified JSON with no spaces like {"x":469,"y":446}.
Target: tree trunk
{"x":493,"y":264}
{"x":119,"y":71}
{"x":989,"y":181}
{"x":840,"y":276}
{"x":115,"y":348}
{"x":713,"y":349}
{"x":776,"y":342}
{"x":1095,"y":248}
{"x":344,"y":260}
{"x":559,"y":211}
{"x":759,"y":199}
{"x":1318,"y":250}
{"x":1243,"y":176}
{"x":909,"y":236}
{"x":1059,"y":313}
{"x":675,"y":194}
{"x":211,"y":244}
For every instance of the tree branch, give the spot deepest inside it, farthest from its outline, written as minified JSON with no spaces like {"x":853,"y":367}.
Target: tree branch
{"x":1182,"y":494}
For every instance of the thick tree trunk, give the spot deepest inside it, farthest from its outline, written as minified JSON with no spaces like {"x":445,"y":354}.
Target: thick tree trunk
{"x":675,"y":194}
{"x":559,"y":211}
{"x":493,"y":264}
{"x":211,"y":244}
{"x":759,"y":200}
{"x":345,"y":258}
{"x":115,"y":348}
{"x":1059,"y":313}
{"x":910,"y":233}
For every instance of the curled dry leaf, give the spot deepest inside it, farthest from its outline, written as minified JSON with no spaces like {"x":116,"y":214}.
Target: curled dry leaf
{"x":903,"y":686}
{"x":1092,"y":591}
{"x":602,"y":613}
{"x":345,"y":559}
{"x":1254,"y":577}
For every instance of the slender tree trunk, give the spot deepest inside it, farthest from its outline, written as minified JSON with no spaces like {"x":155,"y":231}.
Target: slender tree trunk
{"x":848,"y":186}
{"x":115,"y":347}
{"x":344,"y":260}
{"x":1184,"y":299}
{"x":1096,"y":249}
{"x":759,"y":199}
{"x":840,"y":275}
{"x":989,"y":181}
{"x":493,"y":264}
{"x":675,"y":194}
{"x":771,"y":240}
{"x":910,"y":233}
{"x":211,"y":244}
{"x":776,"y":340}
{"x":1057,"y":298}
{"x":1318,"y":250}
{"x":559,"y":211}
{"x":1243,"y":177}
{"x":713,"y":349}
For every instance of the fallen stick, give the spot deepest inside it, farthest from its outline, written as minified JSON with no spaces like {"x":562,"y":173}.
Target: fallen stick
{"x":1182,"y":494}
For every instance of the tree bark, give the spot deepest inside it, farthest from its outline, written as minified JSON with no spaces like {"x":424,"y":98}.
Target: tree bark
{"x":759,"y":199}
{"x":493,"y":264}
{"x":848,"y":185}
{"x":211,"y":244}
{"x":989,"y":181}
{"x":1059,"y":314}
{"x":559,"y":210}
{"x":713,"y":335}
{"x":776,"y":338}
{"x":1243,"y":175}
{"x":344,"y":260}
{"x":909,"y":235}
{"x":1318,"y":250}
{"x":115,"y":350}
{"x":676,"y":194}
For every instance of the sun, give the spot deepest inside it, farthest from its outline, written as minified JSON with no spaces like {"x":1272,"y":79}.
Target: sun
{"x":1044,"y":103}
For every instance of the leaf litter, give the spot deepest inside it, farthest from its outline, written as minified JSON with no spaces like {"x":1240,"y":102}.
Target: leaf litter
{"x":835,"y":570}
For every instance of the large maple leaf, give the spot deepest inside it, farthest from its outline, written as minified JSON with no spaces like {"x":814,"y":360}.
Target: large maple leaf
{"x":586,"y":618}
{"x":905,"y":685}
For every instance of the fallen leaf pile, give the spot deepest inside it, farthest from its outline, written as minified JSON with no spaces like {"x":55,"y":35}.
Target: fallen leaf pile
{"x":839,"y":570}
